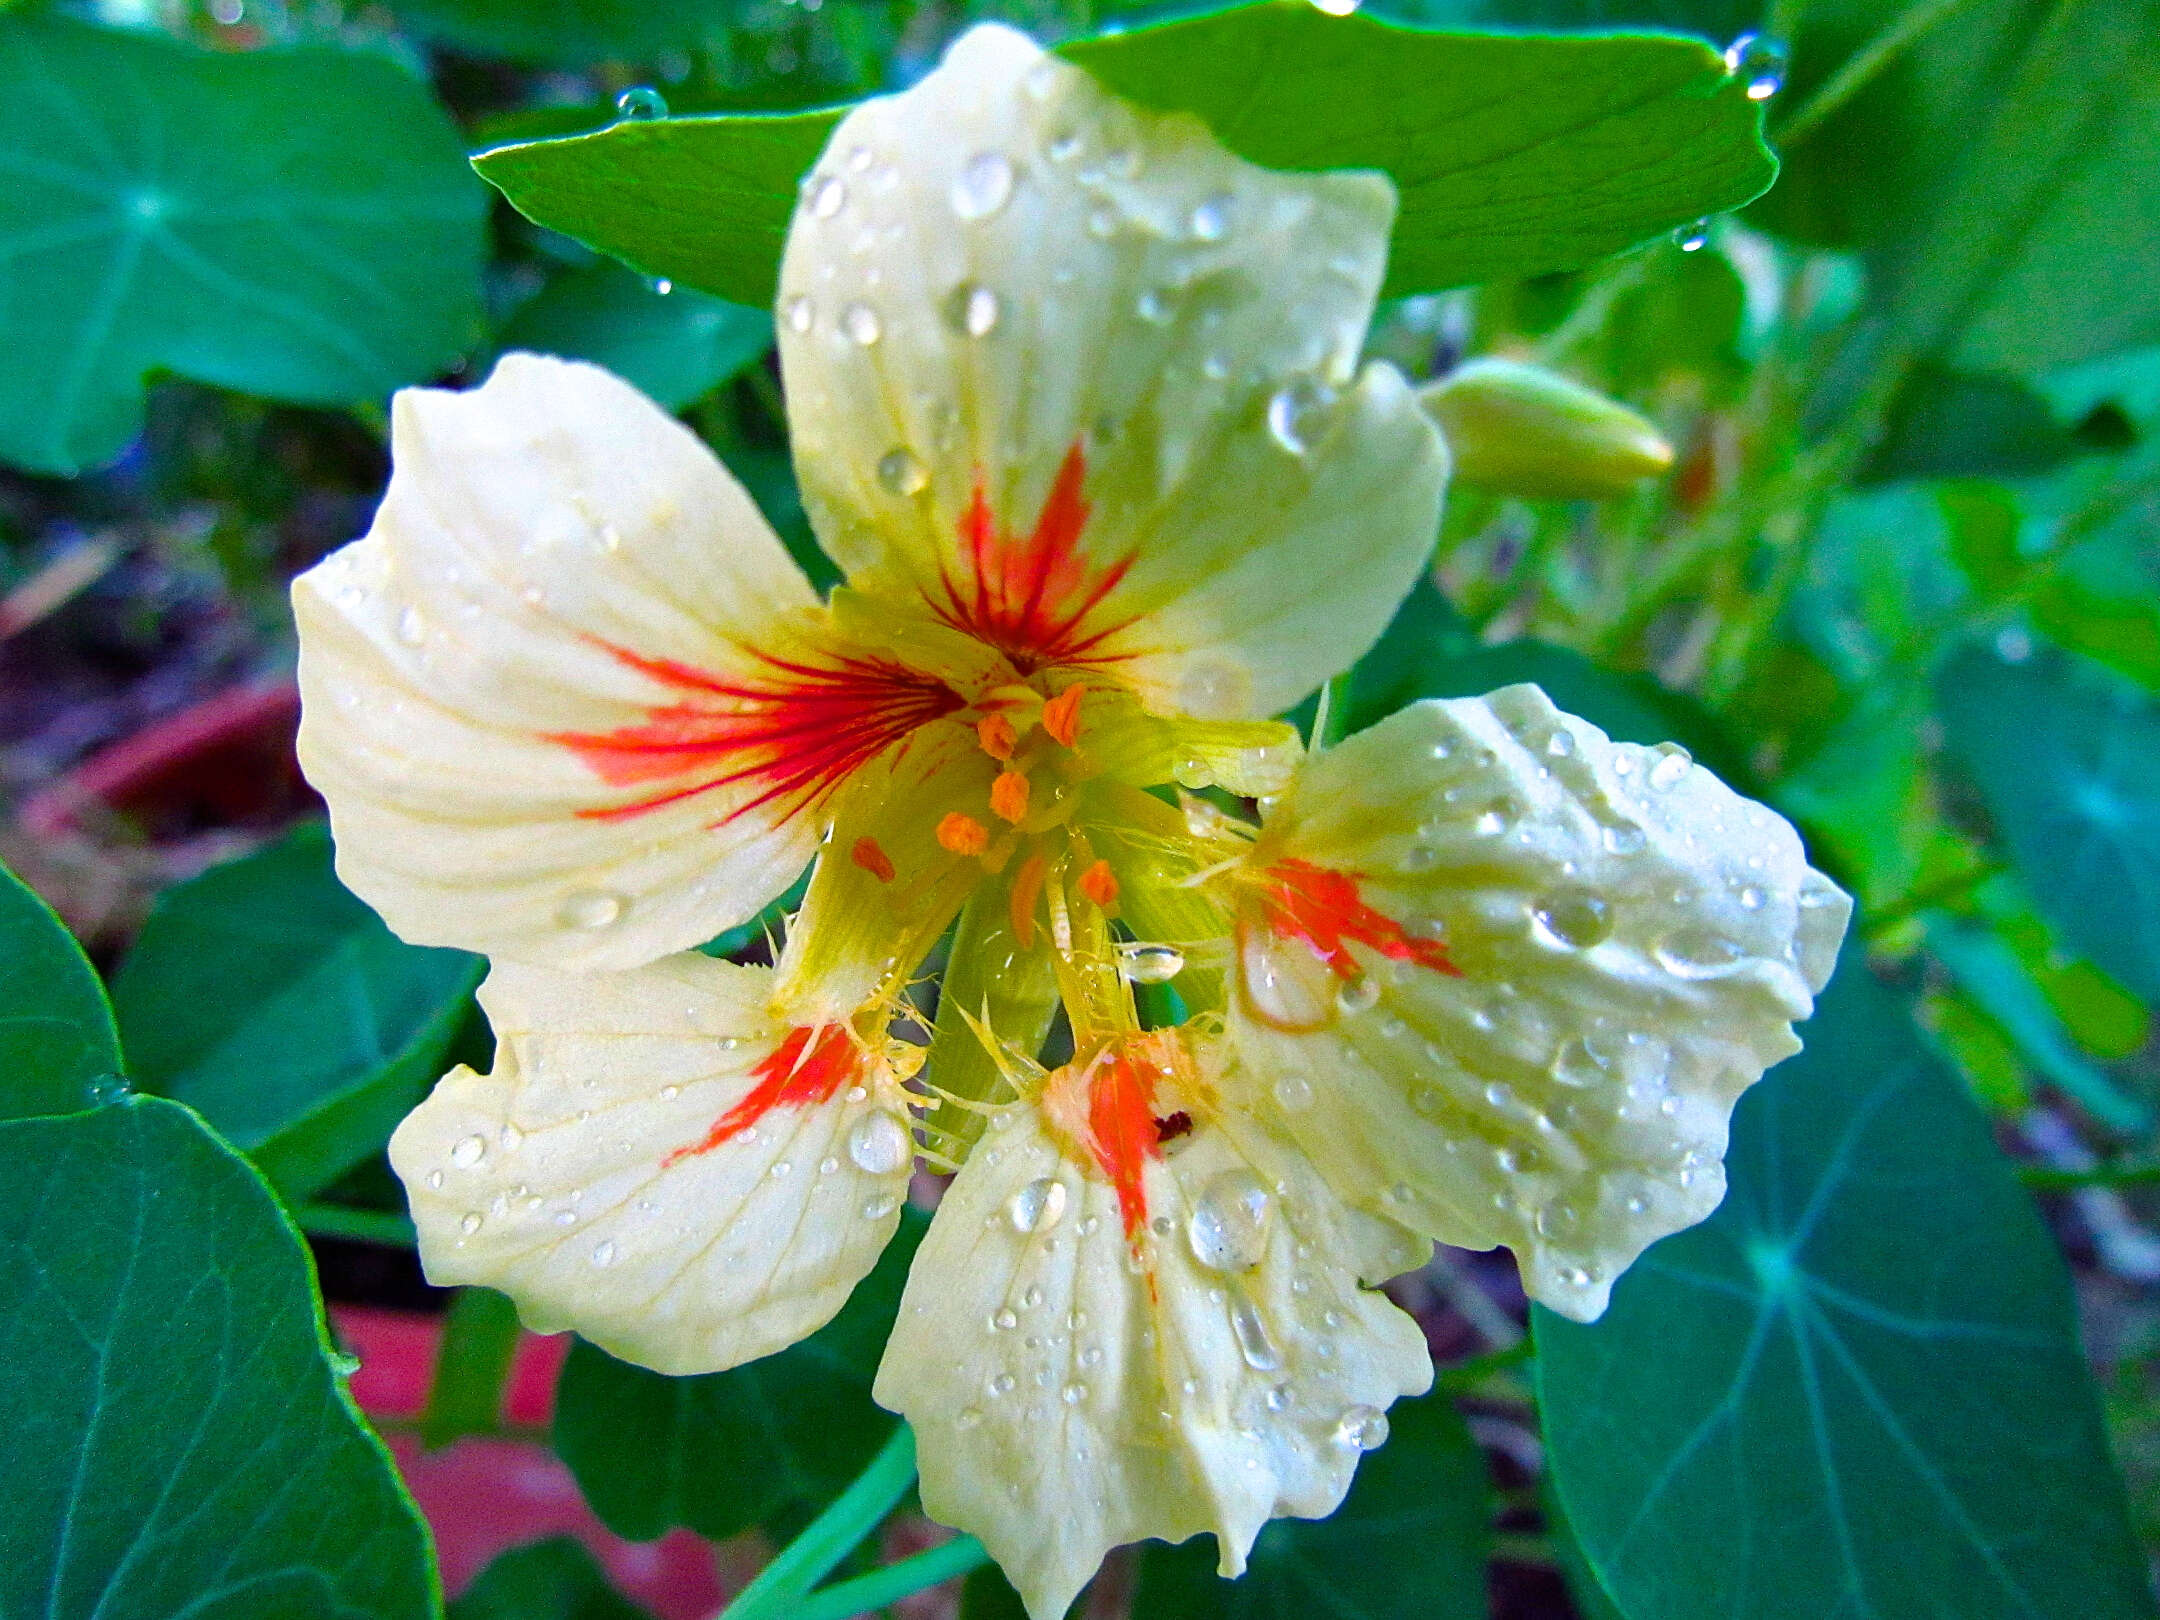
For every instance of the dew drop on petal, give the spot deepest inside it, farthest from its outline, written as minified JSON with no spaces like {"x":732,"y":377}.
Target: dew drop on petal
{"x":1251,"y":1333}
{"x":969,"y":1417}
{"x":411,"y":628}
{"x":878,"y":1206}
{"x":468,"y":1151}
{"x":1624,"y":840}
{"x":1294,"y":1092}
{"x":1228,"y":1227}
{"x":799,"y":312}
{"x":471,"y":1223}
{"x":879,"y":1144}
{"x":971,"y":309}
{"x":1697,"y":953}
{"x":591,"y":908}
{"x":828,"y":195}
{"x":1671,"y":768}
{"x":1295,"y":413}
{"x":901,"y":472}
{"x":604,"y":1252}
{"x":983,"y":186}
{"x":861,"y":323}
{"x":1357,"y":995}
{"x":1362,"y":1428}
{"x":1571,"y":922}
{"x":1575,"y":1064}
{"x":1210,"y":220}
{"x":1038,"y":1206}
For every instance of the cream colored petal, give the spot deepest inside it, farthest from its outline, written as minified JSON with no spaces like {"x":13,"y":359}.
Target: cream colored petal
{"x":1068,"y":1397}
{"x":1141,"y":350}
{"x":541,"y":533}
{"x":572,"y":1177}
{"x":1633,"y":942}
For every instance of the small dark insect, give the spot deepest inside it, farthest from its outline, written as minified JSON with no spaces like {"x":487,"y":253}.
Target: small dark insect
{"x":1172,"y":1126}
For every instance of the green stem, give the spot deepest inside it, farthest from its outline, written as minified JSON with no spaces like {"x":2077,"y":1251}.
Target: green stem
{"x":1861,"y":68}
{"x":1938,"y":893}
{"x":832,"y":1535}
{"x":2123,"y":1173}
{"x":893,"y":1582}
{"x":1468,"y":1375}
{"x":384,"y":1226}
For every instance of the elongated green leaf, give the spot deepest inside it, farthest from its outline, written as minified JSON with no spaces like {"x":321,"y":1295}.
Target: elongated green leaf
{"x":296,"y":223}
{"x":2070,"y":771}
{"x":1856,"y":1389}
{"x":556,"y":1579}
{"x":174,"y":1439}
{"x":265,"y":996}
{"x":677,"y":346}
{"x":1408,"y":1543}
{"x":1513,"y":155}
{"x":726,"y":1451}
{"x":56,"y":1030}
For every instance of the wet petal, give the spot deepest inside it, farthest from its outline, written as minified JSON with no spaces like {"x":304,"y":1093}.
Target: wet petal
{"x":1504,"y":979}
{"x":659,"y":1163}
{"x":1078,"y":379}
{"x":528,"y":695}
{"x":1072,"y":1390}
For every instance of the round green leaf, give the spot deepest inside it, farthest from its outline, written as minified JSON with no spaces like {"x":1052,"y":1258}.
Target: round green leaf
{"x":56,"y":1030}
{"x":266,"y":997}
{"x":174,"y":1439}
{"x":296,"y":223}
{"x":2070,"y":771}
{"x":1513,"y":155}
{"x":676,"y":346}
{"x":1408,"y":1543}
{"x":725,"y":1451}
{"x":1857,"y":1388}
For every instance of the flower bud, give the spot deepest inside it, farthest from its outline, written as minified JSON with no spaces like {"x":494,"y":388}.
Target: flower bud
{"x":1518,"y":429}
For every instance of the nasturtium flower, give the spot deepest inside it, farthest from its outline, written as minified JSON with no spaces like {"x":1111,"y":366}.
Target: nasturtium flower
{"x":1077,"y":405}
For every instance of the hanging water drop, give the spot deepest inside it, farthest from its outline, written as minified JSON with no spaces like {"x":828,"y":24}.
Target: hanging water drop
{"x":641,"y":104}
{"x":1362,"y":1428}
{"x":1145,"y":963}
{"x":1690,"y":238}
{"x":1759,"y":62}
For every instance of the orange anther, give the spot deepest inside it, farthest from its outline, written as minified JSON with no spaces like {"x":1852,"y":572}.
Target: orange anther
{"x":962,"y":834}
{"x":871,"y":857}
{"x":1100,"y":885}
{"x":1026,"y":890}
{"x":997,"y":736}
{"x":1061,"y":715}
{"x":1009,"y":796}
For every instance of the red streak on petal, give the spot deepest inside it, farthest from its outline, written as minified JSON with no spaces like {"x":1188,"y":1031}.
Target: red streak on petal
{"x":1121,"y":1128}
{"x":810,"y":1066}
{"x":1031,"y":596}
{"x":791,"y":733}
{"x":1321,"y":907}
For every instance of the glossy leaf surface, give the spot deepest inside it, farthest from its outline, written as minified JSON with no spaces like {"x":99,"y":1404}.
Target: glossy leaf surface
{"x":56,"y":1030}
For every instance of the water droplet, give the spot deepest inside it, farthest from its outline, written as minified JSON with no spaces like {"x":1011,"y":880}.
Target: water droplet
{"x":471,"y":1222}
{"x":1357,"y":995}
{"x":1624,"y":840}
{"x":1698,"y":953}
{"x":799,"y":313}
{"x":1294,"y":1092}
{"x":1073,"y":1394}
{"x":1489,"y":824}
{"x":1751,"y":898}
{"x":1362,"y":1428}
{"x":1151,"y":964}
{"x":1213,"y":689}
{"x":983,"y":185}
{"x":1211,"y":218}
{"x":1252,"y":1336}
{"x":1671,"y":768}
{"x":1154,"y":307}
{"x":969,"y":1417}
{"x":661,"y":286}
{"x":1759,"y":62}
{"x":861,"y":323}
{"x":879,"y":1144}
{"x":1575,"y":1064}
{"x":1004,"y":1320}
{"x":879,"y":1205}
{"x":1038,"y":1206}
{"x":1817,"y":891}
{"x":468,"y":1151}
{"x":971,"y":309}
{"x":411,"y":628}
{"x":1571,"y":922}
{"x":604,"y":1252}
{"x":1297,"y":412}
{"x":901,"y":472}
{"x":342,"y":1362}
{"x":435,"y":1180}
{"x":641,"y":104}
{"x":1228,"y":1228}
{"x":1337,"y":8}
{"x":1690,"y":238}
{"x":1561,"y":744}
{"x":1002,"y":1384}
{"x":1032,"y":1298}
{"x":590,"y":908}
{"x":782,"y":1169}
{"x":828,"y":195}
